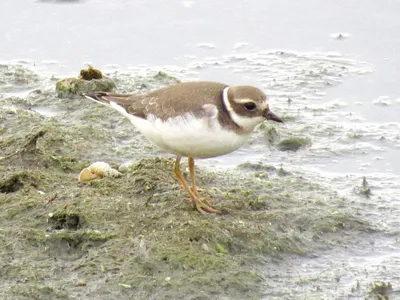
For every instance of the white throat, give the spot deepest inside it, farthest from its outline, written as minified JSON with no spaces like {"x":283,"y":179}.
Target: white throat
{"x":246,"y":123}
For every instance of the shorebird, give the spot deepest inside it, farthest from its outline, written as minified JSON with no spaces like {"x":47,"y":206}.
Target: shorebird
{"x":194,"y":120}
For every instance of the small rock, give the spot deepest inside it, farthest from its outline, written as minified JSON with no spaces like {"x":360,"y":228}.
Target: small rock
{"x":205,"y":247}
{"x":126,"y":167}
{"x":81,"y":282}
{"x":340,"y":35}
{"x":88,"y":81}
{"x":12,"y":110}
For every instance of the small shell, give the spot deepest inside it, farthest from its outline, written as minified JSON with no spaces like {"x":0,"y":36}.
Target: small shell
{"x":85,"y":175}
{"x":98,"y":169}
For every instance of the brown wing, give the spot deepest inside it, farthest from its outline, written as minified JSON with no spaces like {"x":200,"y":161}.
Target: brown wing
{"x":167,"y":102}
{"x":179,"y":99}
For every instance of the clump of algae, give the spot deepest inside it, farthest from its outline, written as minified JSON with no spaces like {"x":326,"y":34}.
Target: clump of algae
{"x":380,"y":290}
{"x":293,"y":143}
{"x":90,"y":73}
{"x":365,"y":189}
{"x":137,"y":236}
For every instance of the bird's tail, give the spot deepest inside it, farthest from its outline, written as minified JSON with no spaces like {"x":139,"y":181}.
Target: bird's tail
{"x":119,"y":102}
{"x":123,"y":100}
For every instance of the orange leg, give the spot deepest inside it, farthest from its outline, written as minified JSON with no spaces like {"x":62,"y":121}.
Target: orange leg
{"x":200,"y":206}
{"x":192,"y":179}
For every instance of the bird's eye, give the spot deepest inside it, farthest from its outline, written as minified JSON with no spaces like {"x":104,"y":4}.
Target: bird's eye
{"x":250,"y":106}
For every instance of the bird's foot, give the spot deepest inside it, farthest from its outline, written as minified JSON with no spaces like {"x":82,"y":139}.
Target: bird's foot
{"x":205,"y":200}
{"x":204,"y":207}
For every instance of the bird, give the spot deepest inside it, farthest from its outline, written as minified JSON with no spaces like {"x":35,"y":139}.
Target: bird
{"x":198,"y":119}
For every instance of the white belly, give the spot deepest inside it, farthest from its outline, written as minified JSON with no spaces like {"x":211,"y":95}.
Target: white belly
{"x":189,"y":136}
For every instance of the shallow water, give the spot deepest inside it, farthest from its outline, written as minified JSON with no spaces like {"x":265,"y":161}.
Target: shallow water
{"x":344,"y":93}
{"x":341,"y":275}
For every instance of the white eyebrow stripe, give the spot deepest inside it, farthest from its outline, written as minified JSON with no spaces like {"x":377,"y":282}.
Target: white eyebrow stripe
{"x":244,"y":100}
{"x":262,"y":105}
{"x":228,"y":106}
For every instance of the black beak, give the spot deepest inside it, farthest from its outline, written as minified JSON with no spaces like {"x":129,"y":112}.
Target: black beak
{"x":269,"y":115}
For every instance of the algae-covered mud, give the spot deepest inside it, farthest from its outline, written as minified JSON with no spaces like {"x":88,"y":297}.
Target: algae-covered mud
{"x":137,"y":237}
{"x":289,"y":231}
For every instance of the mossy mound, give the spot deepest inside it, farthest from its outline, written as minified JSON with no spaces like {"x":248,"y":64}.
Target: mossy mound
{"x":77,"y":86}
{"x":89,"y":80}
{"x":138,"y":236}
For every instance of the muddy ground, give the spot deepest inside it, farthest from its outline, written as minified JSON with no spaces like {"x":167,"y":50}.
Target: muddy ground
{"x":137,"y":236}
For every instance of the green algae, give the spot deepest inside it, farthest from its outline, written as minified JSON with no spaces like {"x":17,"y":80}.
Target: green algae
{"x":221,"y":249}
{"x":380,"y":290}
{"x":272,"y":138}
{"x":138,"y":230}
{"x":259,"y":166}
{"x":271,"y":135}
{"x":138,"y":236}
{"x":364,"y":189}
{"x":293,"y":144}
